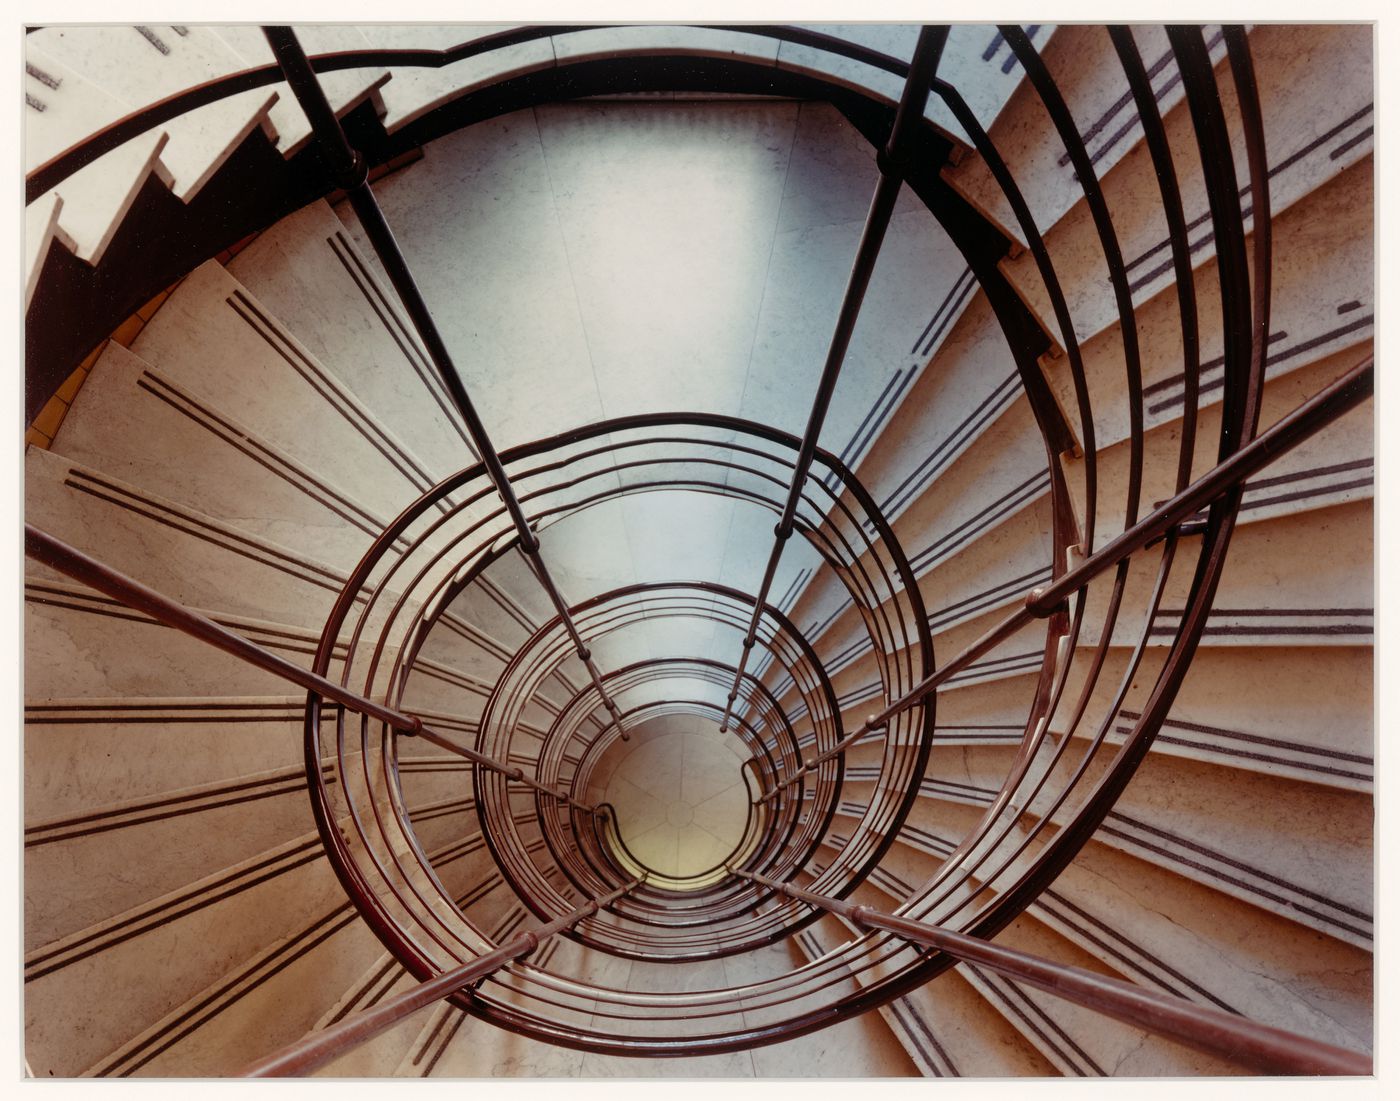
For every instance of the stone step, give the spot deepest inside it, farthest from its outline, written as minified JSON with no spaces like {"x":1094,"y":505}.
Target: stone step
{"x":136,"y":424}
{"x":140,"y":65}
{"x":199,"y":931}
{"x":276,"y":387}
{"x":61,"y":109}
{"x":345,"y":90}
{"x":200,"y":561}
{"x":85,"y":645}
{"x":312,"y":276}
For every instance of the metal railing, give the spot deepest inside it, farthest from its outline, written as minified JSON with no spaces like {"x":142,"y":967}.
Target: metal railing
{"x":1227,"y":1035}
{"x":315,"y":1051}
{"x":1055,"y":794}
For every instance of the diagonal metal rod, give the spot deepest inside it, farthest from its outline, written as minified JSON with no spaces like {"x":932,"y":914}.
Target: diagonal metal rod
{"x":1272,"y":1050}
{"x":1312,"y":416}
{"x":889,"y":160}
{"x":349,"y":172}
{"x":55,"y":553}
{"x":319,"y":1048}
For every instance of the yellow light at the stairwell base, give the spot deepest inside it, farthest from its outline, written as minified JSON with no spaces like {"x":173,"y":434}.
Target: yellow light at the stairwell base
{"x":679,"y":794}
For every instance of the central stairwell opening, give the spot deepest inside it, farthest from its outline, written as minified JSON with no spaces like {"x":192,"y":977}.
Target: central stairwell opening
{"x":772,"y":550}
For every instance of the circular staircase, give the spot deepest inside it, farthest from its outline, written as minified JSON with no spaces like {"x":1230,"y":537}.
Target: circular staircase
{"x":958,"y":646}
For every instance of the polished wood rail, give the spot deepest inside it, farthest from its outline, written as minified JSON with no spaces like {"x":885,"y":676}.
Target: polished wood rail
{"x":316,"y":1050}
{"x":922,"y":70}
{"x":349,"y":171}
{"x":737,"y":911}
{"x":1263,"y":1047}
{"x":1342,"y":396}
{"x":51,"y":551}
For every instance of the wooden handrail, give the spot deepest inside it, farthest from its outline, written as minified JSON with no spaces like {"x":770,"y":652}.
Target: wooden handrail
{"x":1263,"y":1047}
{"x":1342,"y":396}
{"x":922,"y":69}
{"x":54,"y":552}
{"x":319,"y":1048}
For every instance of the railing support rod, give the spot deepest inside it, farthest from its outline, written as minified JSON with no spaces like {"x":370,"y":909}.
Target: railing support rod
{"x":922,"y":69}
{"x":53,"y":552}
{"x":316,"y":1050}
{"x":1269,"y":1049}
{"x":349,"y":172}
{"x":1343,"y":395}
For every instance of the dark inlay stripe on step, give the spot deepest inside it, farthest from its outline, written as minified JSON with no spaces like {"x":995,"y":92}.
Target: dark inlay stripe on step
{"x":42,"y":77}
{"x":177,"y":1029}
{"x":1015,"y":1001}
{"x":946,"y":313}
{"x":458,"y":1018}
{"x":77,"y":712}
{"x":1131,"y":955}
{"x":1137,"y":833}
{"x":965,"y":533}
{"x":987,"y":598}
{"x":50,"y":595}
{"x":1298,"y":748}
{"x":330,"y":391}
{"x":1285,"y":163}
{"x":353,"y":1003}
{"x":368,"y":286}
{"x":1273,"y":359}
{"x":921,"y":1036}
{"x":937,"y":460}
{"x":217,"y":535}
{"x":265,"y":455}
{"x":154,"y":39}
{"x":160,"y":809}
{"x":150,"y":917}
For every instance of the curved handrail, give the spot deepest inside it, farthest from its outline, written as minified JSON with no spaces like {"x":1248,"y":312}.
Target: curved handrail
{"x":1062,"y":601}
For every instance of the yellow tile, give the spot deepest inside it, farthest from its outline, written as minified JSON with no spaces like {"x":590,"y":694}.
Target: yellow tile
{"x":127,"y":330}
{"x":37,"y":438}
{"x":51,"y":416}
{"x":92,"y":357}
{"x":71,"y":385}
{"x":146,"y":311}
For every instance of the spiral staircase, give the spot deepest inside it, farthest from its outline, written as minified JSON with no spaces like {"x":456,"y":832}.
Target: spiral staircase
{"x":624,"y":527}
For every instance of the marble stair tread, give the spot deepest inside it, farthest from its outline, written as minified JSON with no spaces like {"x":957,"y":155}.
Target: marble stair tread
{"x":1096,"y":94}
{"x":914,"y":1022}
{"x":1080,"y":1041}
{"x":136,"y":424}
{"x":1209,"y":948}
{"x":141,"y":65}
{"x":1302,"y":713}
{"x":1314,"y":134}
{"x":345,"y":90}
{"x":1328,"y":228}
{"x":62,"y":109}
{"x":1240,"y":833}
{"x":198,"y":931}
{"x":381,"y":1055}
{"x":310,"y":273}
{"x":414,"y":91}
{"x":1307,"y":325}
{"x":95,"y":864}
{"x":88,"y":646}
{"x":1120,"y":921}
{"x":1316,"y":590}
{"x":268,"y":1001}
{"x":201,"y":561}
{"x":84,"y":753}
{"x":1290,"y":848}
{"x":274,"y":385}
{"x":41,"y":231}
